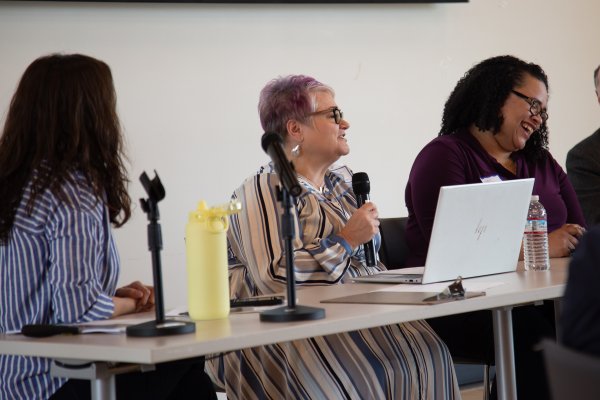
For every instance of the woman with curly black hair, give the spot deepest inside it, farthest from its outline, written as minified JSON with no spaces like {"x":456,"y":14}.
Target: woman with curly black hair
{"x":494,"y":128}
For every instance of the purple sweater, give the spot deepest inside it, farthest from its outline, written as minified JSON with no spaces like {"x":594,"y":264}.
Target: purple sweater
{"x":460,"y":159}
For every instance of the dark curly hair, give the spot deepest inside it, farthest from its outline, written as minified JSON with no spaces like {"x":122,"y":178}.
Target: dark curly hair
{"x":62,"y":118}
{"x":480,"y":94}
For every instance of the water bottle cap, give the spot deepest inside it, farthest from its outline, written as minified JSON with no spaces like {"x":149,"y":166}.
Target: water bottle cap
{"x":535,"y":197}
{"x":214,"y":219}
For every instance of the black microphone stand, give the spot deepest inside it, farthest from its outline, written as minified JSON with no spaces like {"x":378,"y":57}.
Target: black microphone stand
{"x":161,"y":326}
{"x":291,"y":311}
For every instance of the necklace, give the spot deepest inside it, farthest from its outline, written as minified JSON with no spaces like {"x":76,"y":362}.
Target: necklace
{"x":318,"y":188}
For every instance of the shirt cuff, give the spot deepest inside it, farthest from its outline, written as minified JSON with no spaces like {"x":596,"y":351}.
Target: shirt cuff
{"x":340,"y":240}
{"x":102,"y":309}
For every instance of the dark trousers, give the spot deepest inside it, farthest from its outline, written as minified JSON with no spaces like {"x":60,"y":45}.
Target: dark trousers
{"x":184,"y":379}
{"x":471,"y":335}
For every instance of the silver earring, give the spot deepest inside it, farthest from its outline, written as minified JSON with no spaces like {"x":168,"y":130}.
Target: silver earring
{"x":296,"y":151}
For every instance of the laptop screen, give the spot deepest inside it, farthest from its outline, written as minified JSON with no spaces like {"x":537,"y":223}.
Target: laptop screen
{"x":477,"y":229}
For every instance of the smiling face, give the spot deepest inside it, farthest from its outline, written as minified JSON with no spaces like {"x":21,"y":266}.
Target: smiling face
{"x":519,"y":124}
{"x":324,"y":141}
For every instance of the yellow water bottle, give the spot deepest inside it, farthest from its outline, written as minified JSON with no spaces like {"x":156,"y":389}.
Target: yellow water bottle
{"x":206,"y":259}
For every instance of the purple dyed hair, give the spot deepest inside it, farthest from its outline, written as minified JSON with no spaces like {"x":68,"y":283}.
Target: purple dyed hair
{"x":286,"y":98}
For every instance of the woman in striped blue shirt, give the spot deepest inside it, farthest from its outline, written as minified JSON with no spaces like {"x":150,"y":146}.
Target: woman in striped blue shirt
{"x":402,"y":361}
{"x":62,"y":185}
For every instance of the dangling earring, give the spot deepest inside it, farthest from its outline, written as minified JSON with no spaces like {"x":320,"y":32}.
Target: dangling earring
{"x":296,"y":151}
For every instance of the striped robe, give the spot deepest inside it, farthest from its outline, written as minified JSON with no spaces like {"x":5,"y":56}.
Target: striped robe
{"x":403,"y":361}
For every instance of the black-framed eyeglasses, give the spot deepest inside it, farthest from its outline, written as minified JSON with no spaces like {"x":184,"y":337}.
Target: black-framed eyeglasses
{"x":535,"y":107}
{"x":337,"y":114}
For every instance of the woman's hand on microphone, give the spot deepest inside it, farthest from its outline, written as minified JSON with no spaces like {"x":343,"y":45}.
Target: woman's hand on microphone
{"x":362,"y":226}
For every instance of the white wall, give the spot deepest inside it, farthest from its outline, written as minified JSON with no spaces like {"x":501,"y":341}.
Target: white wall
{"x":188,"y":78}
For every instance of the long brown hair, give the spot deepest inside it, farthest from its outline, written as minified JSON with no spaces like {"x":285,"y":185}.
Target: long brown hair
{"x":63,"y":118}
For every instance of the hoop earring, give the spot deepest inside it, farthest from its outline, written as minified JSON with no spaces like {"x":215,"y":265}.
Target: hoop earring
{"x":296,"y":151}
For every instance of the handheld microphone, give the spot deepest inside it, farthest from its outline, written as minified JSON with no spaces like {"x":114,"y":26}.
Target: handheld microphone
{"x":45,"y":330}
{"x":361,"y":187}
{"x":272,"y":144}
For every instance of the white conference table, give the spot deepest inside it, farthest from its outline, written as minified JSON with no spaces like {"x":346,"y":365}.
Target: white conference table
{"x":246,"y":330}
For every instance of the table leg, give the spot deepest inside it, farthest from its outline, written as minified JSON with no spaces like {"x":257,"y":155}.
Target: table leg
{"x":103,"y":388}
{"x":557,"y":311}
{"x":505,"y":356}
{"x":100,"y":374}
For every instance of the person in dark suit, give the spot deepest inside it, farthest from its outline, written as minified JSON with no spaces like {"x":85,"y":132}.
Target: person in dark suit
{"x":583,"y":169}
{"x":580,"y":316}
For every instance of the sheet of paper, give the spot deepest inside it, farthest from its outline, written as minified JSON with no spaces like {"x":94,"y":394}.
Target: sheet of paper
{"x":118,"y":321}
{"x":177,"y":311}
{"x":104,"y":328}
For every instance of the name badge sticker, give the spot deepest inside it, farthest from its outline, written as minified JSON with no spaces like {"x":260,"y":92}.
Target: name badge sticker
{"x":491,"y":178}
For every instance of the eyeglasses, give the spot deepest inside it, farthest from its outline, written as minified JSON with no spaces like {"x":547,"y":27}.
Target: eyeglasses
{"x":535,"y":107}
{"x":338,"y":115}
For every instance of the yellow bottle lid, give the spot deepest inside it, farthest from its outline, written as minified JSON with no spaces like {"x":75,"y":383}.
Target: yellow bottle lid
{"x":215,"y":218}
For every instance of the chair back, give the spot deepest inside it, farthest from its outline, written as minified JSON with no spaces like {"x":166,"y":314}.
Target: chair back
{"x":394,"y":251}
{"x":393,"y":254}
{"x":571,"y":374}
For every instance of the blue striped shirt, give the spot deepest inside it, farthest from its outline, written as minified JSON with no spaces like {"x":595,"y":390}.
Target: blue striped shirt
{"x":60,"y":265}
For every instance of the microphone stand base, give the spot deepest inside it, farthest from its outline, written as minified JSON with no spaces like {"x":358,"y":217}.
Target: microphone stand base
{"x":165,"y":328}
{"x":298,"y":313}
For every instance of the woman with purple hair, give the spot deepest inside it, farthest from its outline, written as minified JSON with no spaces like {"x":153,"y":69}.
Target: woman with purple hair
{"x":401,"y":361}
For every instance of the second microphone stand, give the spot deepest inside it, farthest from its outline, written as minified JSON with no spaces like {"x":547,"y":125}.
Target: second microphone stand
{"x":161,"y":326}
{"x":291,"y":311}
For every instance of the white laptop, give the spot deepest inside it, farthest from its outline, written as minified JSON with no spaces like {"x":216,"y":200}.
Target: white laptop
{"x":477,"y":231}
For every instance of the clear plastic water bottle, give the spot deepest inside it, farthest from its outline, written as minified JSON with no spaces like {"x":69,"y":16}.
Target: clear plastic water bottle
{"x":535,"y":241}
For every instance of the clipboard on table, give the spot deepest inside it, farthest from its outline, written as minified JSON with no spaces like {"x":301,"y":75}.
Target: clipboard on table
{"x":454,"y":292}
